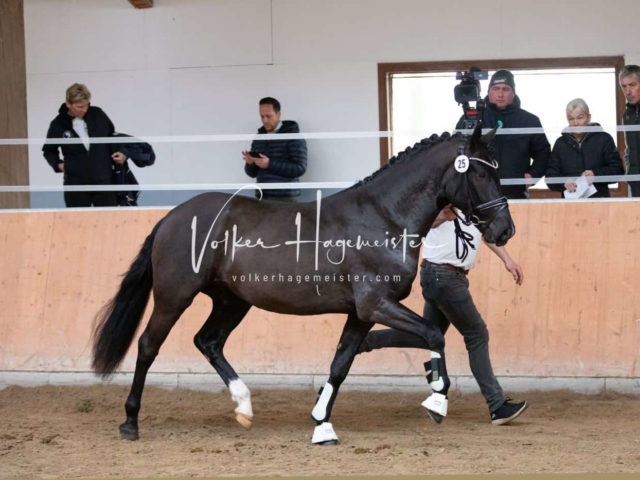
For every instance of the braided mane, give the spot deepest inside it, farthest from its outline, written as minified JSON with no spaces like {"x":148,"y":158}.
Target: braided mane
{"x":408,"y":154}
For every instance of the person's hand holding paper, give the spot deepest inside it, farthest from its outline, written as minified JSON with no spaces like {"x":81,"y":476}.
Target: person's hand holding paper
{"x":583,"y":187}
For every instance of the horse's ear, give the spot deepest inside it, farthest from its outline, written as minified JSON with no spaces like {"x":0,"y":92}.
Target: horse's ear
{"x":476,"y":137}
{"x":488,"y":138}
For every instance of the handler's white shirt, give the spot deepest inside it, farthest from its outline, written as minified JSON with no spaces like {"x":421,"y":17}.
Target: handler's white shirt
{"x":440,"y":245}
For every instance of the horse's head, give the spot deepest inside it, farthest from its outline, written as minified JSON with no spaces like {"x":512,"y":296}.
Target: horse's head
{"x":472,"y":185}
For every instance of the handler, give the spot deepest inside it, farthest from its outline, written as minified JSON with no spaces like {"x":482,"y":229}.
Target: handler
{"x":448,"y":255}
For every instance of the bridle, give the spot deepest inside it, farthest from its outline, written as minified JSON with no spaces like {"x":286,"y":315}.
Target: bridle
{"x":472,"y":215}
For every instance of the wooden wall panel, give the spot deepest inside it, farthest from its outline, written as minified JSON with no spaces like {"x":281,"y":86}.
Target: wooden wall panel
{"x":14,"y":159}
{"x":577,"y":314}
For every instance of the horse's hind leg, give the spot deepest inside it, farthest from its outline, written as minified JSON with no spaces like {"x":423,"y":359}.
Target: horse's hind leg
{"x":228,"y":311}
{"x":353,"y":334}
{"x":389,"y":312}
{"x":162,"y":320}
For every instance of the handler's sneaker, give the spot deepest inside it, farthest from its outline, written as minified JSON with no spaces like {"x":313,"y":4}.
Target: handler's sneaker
{"x":507,"y":412}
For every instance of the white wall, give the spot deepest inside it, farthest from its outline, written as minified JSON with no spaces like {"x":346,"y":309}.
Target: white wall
{"x":190,"y":67}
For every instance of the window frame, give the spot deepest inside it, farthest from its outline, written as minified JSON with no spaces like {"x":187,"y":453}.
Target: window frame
{"x":385,"y":94}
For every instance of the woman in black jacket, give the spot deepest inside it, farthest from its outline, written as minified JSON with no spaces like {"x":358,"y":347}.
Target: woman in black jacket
{"x":589,"y":154}
{"x":86,"y":163}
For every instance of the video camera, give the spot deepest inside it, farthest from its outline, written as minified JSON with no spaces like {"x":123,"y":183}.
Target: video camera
{"x":468,"y":90}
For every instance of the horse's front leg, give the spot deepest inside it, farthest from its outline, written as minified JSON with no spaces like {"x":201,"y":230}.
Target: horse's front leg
{"x":352,"y":336}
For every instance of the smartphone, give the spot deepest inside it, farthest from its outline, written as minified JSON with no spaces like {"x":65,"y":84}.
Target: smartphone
{"x":254,"y":154}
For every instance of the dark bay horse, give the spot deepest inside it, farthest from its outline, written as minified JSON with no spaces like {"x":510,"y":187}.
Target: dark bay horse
{"x":355,"y":252}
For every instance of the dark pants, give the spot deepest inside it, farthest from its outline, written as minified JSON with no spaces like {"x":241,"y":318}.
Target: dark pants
{"x":88,"y":199}
{"x":634,"y":187}
{"x":448,"y":301}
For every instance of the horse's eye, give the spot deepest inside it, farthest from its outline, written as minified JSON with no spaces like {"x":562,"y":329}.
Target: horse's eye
{"x":482,"y":174}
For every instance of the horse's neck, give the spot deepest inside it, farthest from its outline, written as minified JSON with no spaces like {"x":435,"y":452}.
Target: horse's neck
{"x":406,"y":195}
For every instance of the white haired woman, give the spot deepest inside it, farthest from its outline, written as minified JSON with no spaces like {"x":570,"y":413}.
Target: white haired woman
{"x":589,"y":154}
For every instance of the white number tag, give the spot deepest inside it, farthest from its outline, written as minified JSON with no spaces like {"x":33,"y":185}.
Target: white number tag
{"x":462,"y":163}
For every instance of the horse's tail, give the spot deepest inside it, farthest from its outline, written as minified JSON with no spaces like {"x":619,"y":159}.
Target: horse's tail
{"x":116,"y":323}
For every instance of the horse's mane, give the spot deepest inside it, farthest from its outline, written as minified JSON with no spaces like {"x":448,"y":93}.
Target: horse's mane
{"x":410,"y":152}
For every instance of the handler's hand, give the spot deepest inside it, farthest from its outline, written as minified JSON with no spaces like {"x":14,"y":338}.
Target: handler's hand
{"x":516,"y":270}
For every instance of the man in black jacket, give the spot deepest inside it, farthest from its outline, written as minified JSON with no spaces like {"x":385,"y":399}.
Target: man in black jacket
{"x":630,"y":85}
{"x":85,"y":163}
{"x":276,"y":161}
{"x":513,"y":151}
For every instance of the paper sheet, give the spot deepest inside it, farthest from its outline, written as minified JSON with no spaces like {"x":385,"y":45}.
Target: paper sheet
{"x":583,"y":189}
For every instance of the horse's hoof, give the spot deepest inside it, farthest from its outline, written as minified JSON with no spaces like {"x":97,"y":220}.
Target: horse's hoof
{"x":244,"y":420}
{"x":328,"y":443}
{"x":436,"y":406}
{"x":435,"y":417}
{"x":128,"y":432}
{"x":324,"y":435}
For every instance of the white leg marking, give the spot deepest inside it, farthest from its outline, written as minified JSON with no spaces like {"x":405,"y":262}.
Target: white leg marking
{"x":242,"y":396}
{"x":320,"y":410}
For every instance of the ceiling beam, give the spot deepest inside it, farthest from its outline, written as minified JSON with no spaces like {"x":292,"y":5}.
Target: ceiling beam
{"x":141,"y":3}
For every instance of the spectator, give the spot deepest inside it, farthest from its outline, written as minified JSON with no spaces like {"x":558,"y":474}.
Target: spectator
{"x":276,"y":161}
{"x":83,"y":163}
{"x":630,"y":84}
{"x":586,"y":154}
{"x":513,"y":151}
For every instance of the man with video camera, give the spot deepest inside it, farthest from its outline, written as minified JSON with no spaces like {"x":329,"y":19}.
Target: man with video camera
{"x":513,"y":151}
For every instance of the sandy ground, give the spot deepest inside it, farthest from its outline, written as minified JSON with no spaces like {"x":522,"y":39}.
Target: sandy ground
{"x":53,"y":432}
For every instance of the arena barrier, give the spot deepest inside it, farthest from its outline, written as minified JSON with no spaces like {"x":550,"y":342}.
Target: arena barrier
{"x":575,"y":323}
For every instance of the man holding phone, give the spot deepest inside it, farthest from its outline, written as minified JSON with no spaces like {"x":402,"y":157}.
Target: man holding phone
{"x":276,"y":161}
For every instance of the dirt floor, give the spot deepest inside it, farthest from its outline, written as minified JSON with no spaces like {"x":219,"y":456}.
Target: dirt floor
{"x":53,"y":432}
